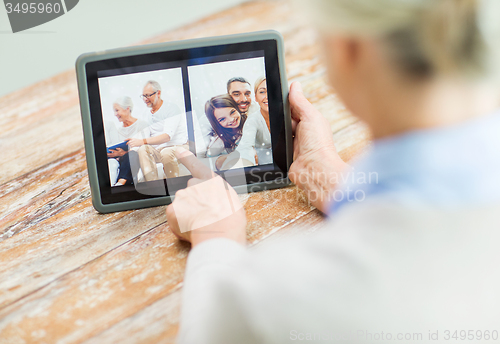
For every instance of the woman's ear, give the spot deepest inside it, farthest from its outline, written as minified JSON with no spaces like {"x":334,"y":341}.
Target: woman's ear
{"x":342,"y":62}
{"x":351,"y":65}
{"x":342,"y":58}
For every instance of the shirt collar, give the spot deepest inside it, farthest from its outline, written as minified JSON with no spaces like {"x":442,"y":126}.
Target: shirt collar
{"x":451,"y":166}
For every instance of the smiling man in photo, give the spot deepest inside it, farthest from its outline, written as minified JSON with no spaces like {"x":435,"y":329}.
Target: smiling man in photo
{"x":241,"y":91}
{"x":167,"y":130}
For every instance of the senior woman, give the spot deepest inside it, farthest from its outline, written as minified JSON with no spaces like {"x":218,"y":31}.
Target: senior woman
{"x":119,"y":159}
{"x":417,"y":260}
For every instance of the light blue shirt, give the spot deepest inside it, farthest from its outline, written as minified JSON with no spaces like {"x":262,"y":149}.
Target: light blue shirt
{"x":449,"y":167}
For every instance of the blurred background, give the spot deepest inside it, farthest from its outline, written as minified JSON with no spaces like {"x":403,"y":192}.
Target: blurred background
{"x":41,"y":52}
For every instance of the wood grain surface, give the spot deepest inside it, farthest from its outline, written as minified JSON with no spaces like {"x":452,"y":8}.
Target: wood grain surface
{"x":69,"y":274}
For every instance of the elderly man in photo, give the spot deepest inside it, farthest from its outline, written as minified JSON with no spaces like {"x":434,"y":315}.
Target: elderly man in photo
{"x":241,"y":91}
{"x":167,"y":130}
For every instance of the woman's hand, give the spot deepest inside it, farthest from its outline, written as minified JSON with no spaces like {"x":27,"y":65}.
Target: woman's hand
{"x":135,"y":142}
{"x":317,"y":167}
{"x":116,"y":153}
{"x":208,"y":208}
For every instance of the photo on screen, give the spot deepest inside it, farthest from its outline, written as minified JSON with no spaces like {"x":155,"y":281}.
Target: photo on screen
{"x":144,"y":121}
{"x":230,"y":107}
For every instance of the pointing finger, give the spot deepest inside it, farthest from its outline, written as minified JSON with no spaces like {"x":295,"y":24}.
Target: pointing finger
{"x":195,"y":166}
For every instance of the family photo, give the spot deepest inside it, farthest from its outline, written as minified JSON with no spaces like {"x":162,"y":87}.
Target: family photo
{"x":229,"y":102}
{"x":144,"y":122}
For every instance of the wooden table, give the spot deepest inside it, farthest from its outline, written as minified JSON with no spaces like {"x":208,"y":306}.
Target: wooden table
{"x":69,"y":274}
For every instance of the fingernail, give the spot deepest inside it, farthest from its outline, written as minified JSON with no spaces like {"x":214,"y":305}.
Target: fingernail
{"x":299,"y":85}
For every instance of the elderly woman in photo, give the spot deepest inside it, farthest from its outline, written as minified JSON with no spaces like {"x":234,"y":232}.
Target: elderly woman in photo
{"x":118,"y":159}
{"x":227,"y":123}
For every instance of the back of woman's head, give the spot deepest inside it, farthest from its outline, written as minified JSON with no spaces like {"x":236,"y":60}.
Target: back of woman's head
{"x":422,"y":37}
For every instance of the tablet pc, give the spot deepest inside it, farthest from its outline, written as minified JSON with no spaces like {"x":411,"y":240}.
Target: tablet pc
{"x":223,"y":98}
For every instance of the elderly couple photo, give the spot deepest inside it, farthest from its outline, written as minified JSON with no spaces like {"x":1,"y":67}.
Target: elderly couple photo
{"x":141,"y":147}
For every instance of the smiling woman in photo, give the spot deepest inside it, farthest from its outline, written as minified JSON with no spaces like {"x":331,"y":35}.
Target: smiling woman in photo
{"x":118,"y":159}
{"x":227,"y":123}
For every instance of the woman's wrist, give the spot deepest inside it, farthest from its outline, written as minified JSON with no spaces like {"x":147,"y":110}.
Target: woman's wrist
{"x":318,"y":175}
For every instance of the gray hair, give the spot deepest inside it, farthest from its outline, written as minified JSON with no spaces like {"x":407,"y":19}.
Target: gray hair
{"x":125,"y":103}
{"x":424,"y":37}
{"x":156,"y":86}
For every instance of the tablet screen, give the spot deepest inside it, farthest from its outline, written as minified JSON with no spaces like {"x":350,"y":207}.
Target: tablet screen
{"x":218,"y":102}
